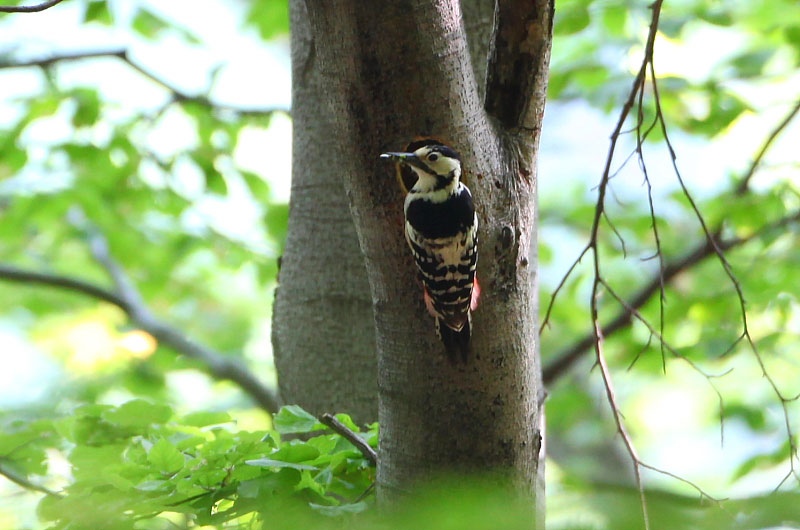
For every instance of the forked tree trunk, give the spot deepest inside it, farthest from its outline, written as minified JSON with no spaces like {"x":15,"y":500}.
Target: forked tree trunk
{"x":385,"y":72}
{"x":323,"y":330}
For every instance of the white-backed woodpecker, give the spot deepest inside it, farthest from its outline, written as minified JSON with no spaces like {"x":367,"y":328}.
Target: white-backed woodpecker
{"x":442,"y":231}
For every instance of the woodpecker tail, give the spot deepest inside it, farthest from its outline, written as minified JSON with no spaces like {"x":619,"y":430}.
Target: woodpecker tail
{"x":456,"y":343}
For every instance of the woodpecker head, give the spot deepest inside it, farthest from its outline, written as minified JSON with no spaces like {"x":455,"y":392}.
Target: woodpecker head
{"x":437,"y":166}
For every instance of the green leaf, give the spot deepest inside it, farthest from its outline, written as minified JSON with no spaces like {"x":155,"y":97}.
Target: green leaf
{"x":724,"y":108}
{"x":270,"y":17}
{"x":348,"y":422}
{"x":590,"y":77}
{"x":43,"y":106}
{"x":165,"y":457}
{"x":138,"y":413}
{"x":672,"y":25}
{"x":754,"y":417}
{"x":572,"y":20}
{"x":202,"y":419}
{"x":792,"y":35}
{"x":718,"y":17}
{"x":97,"y":11}
{"x":12,"y":160}
{"x":307,"y":482}
{"x":295,"y":451}
{"x":87,"y":460}
{"x":88,"y":110}
{"x":751,"y":63}
{"x":293,"y":419}
{"x":147,"y":24}
{"x":259,"y":187}
{"x":614,"y":19}
{"x":276,"y":218}
{"x":283,"y":480}
{"x":151,"y":485}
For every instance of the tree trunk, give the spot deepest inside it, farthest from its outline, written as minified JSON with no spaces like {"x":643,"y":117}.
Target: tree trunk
{"x":323,"y":329}
{"x":333,"y":369}
{"x":393,"y":70}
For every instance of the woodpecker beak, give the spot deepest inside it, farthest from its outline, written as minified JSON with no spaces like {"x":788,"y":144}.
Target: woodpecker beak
{"x":409,"y":159}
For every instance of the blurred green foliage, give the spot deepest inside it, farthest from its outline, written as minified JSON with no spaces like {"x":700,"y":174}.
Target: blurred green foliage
{"x":139,"y":465}
{"x":131,"y":447}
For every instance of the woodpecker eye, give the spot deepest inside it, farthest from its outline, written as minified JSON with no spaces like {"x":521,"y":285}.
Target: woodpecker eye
{"x":433,"y":157}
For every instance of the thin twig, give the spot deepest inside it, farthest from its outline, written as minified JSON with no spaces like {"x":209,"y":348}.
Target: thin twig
{"x":640,"y":138}
{"x":674,"y":352}
{"x":50,"y":60}
{"x":616,"y":233}
{"x":612,"y":400}
{"x":30,"y":9}
{"x":340,"y":428}
{"x":560,"y":285}
{"x":726,"y":266}
{"x":702,"y":250}
{"x":688,"y":482}
{"x":744,"y":183}
{"x":367,"y":491}
{"x":177,"y":95}
{"x":567,"y":357}
{"x":636,"y":89}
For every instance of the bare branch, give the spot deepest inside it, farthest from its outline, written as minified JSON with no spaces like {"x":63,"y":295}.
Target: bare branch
{"x":568,"y":356}
{"x":640,"y":137}
{"x":612,"y":401}
{"x":341,"y":429}
{"x":558,"y":289}
{"x":623,"y":432}
{"x":593,"y":244}
{"x":128,"y":298}
{"x":688,"y":482}
{"x":14,"y":274}
{"x":673,"y":351}
{"x":30,"y":9}
{"x":726,"y":266}
{"x":597,"y":337}
{"x":516,"y":77}
{"x":45,"y":62}
{"x":124,"y":55}
{"x":564,"y":360}
{"x":744,"y":183}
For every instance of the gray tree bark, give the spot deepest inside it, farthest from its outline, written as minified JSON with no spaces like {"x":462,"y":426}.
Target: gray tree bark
{"x":323,"y":332}
{"x":390,"y":71}
{"x":335,"y":367}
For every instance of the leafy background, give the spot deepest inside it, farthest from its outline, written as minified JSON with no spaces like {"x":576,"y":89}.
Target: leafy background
{"x":177,"y":151}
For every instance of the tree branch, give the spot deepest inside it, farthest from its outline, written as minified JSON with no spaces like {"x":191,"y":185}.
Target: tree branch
{"x":341,"y":429}
{"x":23,"y":481}
{"x":744,"y":183}
{"x":623,"y":432}
{"x":568,"y":356}
{"x":29,"y":9}
{"x":124,"y":55}
{"x":516,"y":77}
{"x":127,"y":297}
{"x":14,"y":274}
{"x":45,"y":62}
{"x":564,"y":360}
